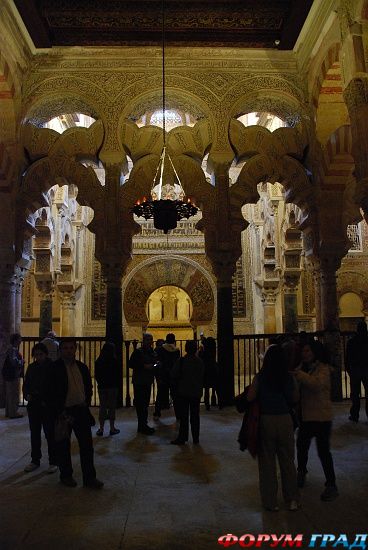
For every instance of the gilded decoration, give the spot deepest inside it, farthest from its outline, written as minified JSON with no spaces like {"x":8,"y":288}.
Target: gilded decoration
{"x":167,"y":272}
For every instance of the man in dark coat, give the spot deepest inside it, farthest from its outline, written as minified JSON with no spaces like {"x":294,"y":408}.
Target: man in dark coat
{"x":357,"y":368}
{"x":71,"y":389}
{"x":143,"y":361}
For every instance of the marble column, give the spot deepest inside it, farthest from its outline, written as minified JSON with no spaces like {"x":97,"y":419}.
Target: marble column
{"x":7,"y":300}
{"x":114,"y":315}
{"x":225,"y":335}
{"x":18,"y":288}
{"x":46,"y":290}
{"x":290,"y":310}
{"x":317,"y":298}
{"x":269,"y":311}
{"x":67,"y":313}
{"x":329,"y":301}
{"x":330,"y":320}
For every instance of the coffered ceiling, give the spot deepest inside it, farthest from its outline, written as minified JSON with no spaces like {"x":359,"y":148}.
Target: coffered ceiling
{"x":243,"y":23}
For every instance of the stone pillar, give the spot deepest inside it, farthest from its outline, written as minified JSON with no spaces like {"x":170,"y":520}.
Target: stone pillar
{"x":7,"y":300}
{"x":46,"y":290}
{"x":269,"y":310}
{"x":67,"y":313}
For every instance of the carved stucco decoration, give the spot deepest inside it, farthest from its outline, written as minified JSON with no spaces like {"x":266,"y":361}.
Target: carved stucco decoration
{"x":353,"y":281}
{"x":272,"y":158}
{"x":356,"y":93}
{"x":148,"y":276}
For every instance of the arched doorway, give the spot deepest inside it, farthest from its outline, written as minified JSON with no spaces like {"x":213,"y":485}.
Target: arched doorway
{"x":169,"y":309}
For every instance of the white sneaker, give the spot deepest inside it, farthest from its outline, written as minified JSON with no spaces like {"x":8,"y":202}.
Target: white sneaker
{"x":52,"y":469}
{"x":293,"y":506}
{"x":31,"y":467}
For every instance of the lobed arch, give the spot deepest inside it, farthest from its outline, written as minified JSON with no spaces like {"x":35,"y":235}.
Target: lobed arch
{"x":170,"y":270}
{"x":176,"y":99}
{"x":61,"y":170}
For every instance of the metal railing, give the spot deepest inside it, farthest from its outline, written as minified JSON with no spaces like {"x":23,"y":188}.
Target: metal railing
{"x":248,"y":354}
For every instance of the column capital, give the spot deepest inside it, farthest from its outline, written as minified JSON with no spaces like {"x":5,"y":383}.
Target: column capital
{"x":67,"y":299}
{"x":269,"y":297}
{"x":45,"y":288}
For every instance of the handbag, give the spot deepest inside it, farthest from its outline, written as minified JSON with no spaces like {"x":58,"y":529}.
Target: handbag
{"x":249,"y":432}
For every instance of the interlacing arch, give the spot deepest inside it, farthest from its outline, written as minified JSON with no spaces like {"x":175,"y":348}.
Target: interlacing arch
{"x":53,"y":161}
{"x":274,"y":157}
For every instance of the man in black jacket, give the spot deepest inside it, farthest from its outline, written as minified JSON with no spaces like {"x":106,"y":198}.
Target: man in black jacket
{"x":357,"y":368}
{"x":143,"y":361}
{"x":72,"y":393}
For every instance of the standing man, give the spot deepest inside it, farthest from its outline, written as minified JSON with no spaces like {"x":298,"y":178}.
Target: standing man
{"x":72,"y":392}
{"x":357,"y":368}
{"x":142,"y":362}
{"x":12,"y":371}
{"x":167,"y":354}
{"x":35,"y":391}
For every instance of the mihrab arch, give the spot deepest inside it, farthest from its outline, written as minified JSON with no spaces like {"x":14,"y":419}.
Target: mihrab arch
{"x":165,"y":271}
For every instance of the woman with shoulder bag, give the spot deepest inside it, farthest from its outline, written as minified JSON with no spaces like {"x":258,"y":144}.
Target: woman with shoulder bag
{"x":276,"y":392}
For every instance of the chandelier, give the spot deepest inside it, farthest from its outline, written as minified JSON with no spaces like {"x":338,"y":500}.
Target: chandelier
{"x":167,"y":204}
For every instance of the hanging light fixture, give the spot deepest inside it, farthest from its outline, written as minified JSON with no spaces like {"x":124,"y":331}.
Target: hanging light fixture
{"x":167,"y":205}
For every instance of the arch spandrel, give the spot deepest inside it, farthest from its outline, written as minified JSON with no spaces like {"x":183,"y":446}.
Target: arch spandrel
{"x":169,"y":272}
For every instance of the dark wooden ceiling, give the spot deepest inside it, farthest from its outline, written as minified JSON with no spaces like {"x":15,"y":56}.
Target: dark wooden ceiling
{"x":243,"y":23}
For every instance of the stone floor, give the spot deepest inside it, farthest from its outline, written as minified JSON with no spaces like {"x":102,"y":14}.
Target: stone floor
{"x":159,"y":496}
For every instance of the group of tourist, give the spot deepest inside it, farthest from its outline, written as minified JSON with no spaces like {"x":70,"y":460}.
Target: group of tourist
{"x":284,"y":395}
{"x":293,"y":383}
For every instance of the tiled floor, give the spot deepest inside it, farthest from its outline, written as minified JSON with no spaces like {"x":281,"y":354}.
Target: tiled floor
{"x":159,"y":496}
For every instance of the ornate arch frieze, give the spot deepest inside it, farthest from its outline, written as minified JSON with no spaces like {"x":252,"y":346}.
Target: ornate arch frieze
{"x":169,"y":271}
